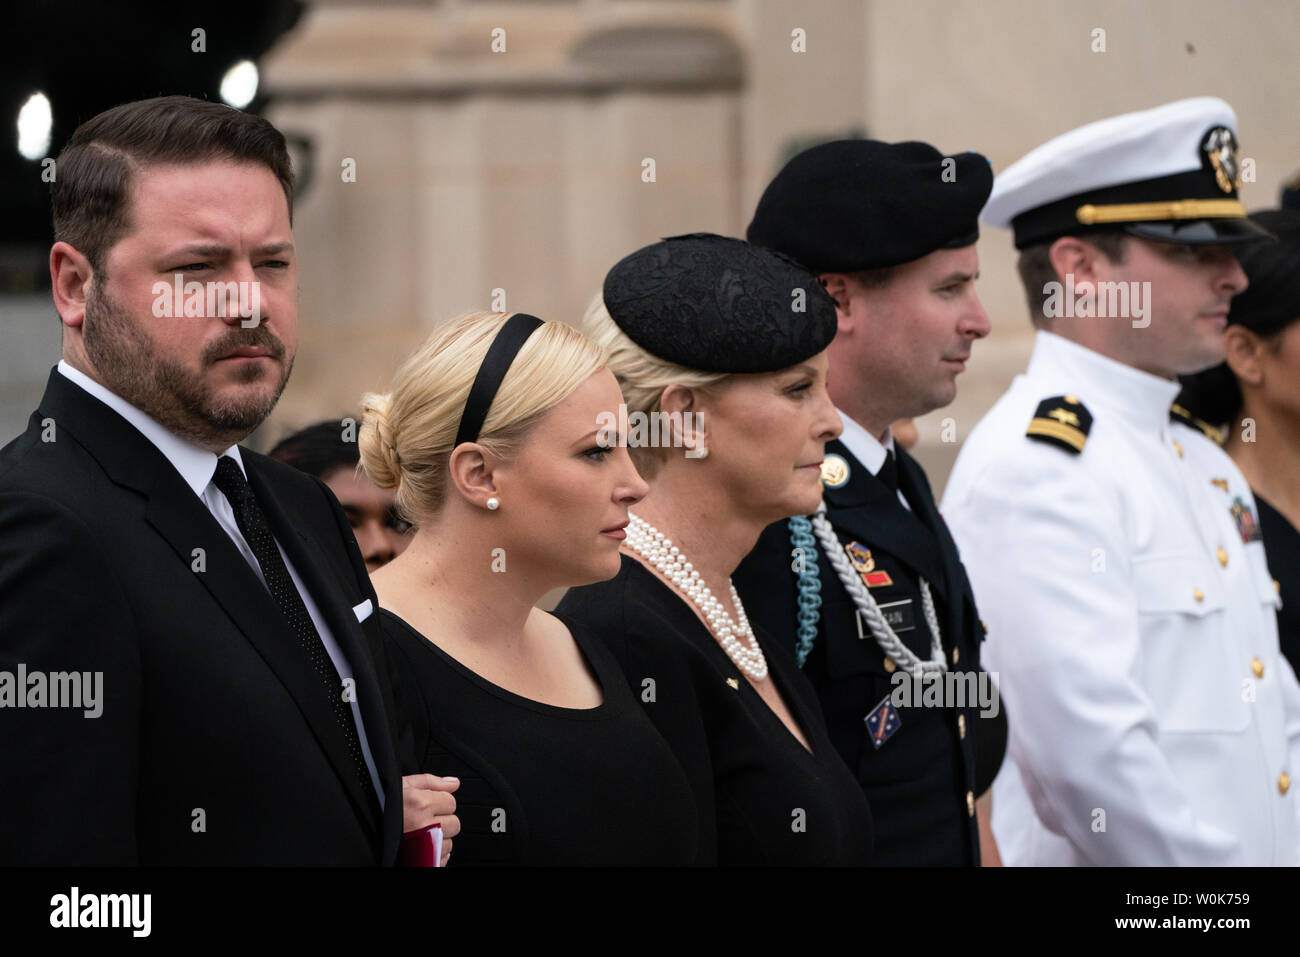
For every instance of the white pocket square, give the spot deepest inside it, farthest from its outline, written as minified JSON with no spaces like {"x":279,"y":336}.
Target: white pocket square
{"x":363,"y":610}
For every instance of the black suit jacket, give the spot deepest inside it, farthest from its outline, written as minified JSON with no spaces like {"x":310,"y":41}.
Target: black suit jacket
{"x":214,"y":745}
{"x":917,"y":782}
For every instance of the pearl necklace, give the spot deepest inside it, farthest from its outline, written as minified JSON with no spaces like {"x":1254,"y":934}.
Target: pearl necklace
{"x":649,"y":543}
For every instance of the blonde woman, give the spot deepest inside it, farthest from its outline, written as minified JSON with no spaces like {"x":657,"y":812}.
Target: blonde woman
{"x":720,"y":348}
{"x":491,"y":440}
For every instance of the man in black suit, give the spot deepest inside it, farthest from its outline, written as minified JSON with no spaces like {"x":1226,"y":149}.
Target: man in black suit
{"x":890,"y":231}
{"x":212,"y":602}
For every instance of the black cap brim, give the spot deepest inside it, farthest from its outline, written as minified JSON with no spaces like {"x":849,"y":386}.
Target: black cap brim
{"x":1200,"y":232}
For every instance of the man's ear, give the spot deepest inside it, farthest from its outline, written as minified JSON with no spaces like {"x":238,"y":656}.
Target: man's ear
{"x":70,"y":279}
{"x":1242,"y":351}
{"x":1070,"y":255}
{"x":471,"y":469}
{"x":840,"y":288}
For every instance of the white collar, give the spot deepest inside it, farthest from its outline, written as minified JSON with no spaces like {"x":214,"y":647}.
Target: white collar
{"x":196,"y":465}
{"x":866,"y":448}
{"x":1097,"y":380}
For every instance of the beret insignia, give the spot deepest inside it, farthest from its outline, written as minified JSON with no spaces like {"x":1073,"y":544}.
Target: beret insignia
{"x":1062,"y":421}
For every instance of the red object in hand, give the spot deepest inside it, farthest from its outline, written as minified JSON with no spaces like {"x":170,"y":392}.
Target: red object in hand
{"x":423,"y":847}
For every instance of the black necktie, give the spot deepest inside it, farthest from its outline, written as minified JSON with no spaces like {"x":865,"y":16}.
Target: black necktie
{"x":889,"y":471}
{"x":257,"y":532}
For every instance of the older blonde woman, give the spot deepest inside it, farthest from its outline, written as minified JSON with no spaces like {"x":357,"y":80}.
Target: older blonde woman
{"x":720,"y":347}
{"x":490,"y":440}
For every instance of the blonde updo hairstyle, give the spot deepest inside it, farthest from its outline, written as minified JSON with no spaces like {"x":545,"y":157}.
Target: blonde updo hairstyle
{"x":407,"y":434}
{"x":642,"y":376}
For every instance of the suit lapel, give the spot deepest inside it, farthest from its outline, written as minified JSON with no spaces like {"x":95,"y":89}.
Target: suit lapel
{"x":185,"y":522}
{"x":307,"y":554}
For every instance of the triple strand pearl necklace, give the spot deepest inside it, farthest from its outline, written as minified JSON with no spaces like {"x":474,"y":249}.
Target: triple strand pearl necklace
{"x":737,"y":638}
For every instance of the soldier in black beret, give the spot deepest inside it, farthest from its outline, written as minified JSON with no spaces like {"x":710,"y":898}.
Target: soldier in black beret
{"x":870,"y":594}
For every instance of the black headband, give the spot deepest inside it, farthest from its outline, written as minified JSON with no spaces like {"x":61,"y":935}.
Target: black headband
{"x":509,"y":340}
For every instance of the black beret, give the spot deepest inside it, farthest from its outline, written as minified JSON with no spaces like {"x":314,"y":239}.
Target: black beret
{"x":718,"y":304}
{"x":853,"y":205}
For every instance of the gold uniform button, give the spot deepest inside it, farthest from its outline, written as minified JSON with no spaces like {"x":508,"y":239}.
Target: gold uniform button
{"x":1178,"y":448}
{"x":970,"y":801}
{"x":890,"y":667}
{"x":1257,"y":666}
{"x":956,"y":653}
{"x":1283,"y":782}
{"x":961,"y":725}
{"x":1222,"y":556}
{"x":1198,"y":594}
{"x":1277,"y":586}
{"x":985,"y":626}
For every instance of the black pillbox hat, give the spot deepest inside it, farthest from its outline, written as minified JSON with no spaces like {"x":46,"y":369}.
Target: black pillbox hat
{"x":718,"y":304}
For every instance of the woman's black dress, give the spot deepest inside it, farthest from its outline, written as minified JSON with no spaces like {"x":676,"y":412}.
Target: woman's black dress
{"x":762,"y":795}
{"x":542,"y":784}
{"x":1282,"y":546}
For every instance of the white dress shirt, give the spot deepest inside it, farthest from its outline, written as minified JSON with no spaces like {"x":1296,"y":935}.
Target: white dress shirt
{"x":1153,"y":719}
{"x":197,"y":466}
{"x":868,"y":449}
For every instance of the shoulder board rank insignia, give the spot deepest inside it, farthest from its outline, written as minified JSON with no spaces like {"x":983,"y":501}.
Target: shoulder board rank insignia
{"x":835,"y":471}
{"x":1178,"y":414}
{"x":1062,"y":421}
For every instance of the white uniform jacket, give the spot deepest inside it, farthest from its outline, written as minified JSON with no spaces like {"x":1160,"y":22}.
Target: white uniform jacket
{"x":1131,"y":624}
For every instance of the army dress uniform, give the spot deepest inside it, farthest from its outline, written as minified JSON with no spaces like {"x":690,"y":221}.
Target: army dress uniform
{"x":845,"y":207}
{"x":1116,"y":554}
{"x":916,"y":764}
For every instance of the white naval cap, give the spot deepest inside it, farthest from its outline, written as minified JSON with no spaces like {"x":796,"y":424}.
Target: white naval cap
{"x":1169,"y":174}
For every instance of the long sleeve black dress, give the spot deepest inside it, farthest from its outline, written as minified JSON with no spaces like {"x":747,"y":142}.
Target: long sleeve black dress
{"x":763,"y":798}
{"x":542,"y":784}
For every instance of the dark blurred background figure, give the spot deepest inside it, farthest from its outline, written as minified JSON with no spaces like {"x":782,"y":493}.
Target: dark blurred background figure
{"x":328,"y":450}
{"x":1254,"y":399}
{"x":1290,"y":195}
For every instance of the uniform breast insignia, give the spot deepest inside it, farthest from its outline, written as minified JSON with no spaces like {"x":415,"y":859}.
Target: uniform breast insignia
{"x":1062,"y":421}
{"x":835,"y":471}
{"x":865,"y":565}
{"x":882,"y":722}
{"x":1220,"y":483}
{"x":1245,"y":519}
{"x":1178,"y":414}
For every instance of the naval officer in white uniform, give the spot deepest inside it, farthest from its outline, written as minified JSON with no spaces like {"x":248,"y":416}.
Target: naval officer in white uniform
{"x":1113,"y":547}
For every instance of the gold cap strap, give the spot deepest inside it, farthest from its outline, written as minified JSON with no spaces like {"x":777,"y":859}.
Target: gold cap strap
{"x":1090,"y":215}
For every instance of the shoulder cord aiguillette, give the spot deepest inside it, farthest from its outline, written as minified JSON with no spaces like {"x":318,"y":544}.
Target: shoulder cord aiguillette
{"x":804,"y":554}
{"x":885,"y":636}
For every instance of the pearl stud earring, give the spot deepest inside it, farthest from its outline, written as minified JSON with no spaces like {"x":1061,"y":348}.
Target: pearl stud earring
{"x":493,"y":504}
